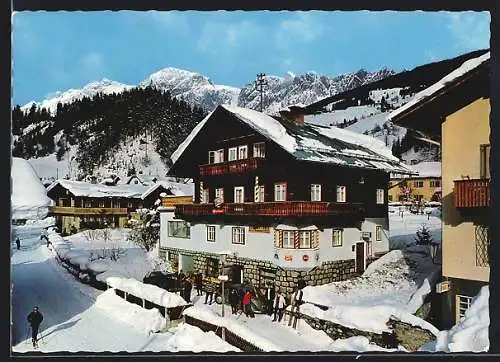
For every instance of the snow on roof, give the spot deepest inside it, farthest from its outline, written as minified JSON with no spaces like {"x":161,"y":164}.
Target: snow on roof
{"x":314,"y":143}
{"x":428,"y":169}
{"x":176,"y":188}
{"x":466,"y":67}
{"x":80,"y":188}
{"x":28,"y":196}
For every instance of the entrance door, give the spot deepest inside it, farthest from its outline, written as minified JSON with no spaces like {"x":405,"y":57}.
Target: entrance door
{"x":360,"y":257}
{"x":236,"y":274}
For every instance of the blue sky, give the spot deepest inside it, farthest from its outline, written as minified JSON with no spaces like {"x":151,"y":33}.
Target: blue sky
{"x":55,"y":51}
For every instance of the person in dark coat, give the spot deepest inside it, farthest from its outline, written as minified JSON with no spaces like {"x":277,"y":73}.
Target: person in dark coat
{"x":234,"y":299}
{"x":35,"y":318}
{"x":209,"y":291}
{"x":270,"y":293}
{"x":199,"y":283}
{"x":18,"y":243}
{"x":188,"y":285}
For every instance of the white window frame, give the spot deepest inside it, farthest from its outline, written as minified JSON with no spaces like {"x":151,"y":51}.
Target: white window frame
{"x":460,"y":301}
{"x":219,"y":156}
{"x":170,"y":231}
{"x":238,"y":235}
{"x":380,"y":196}
{"x":206,"y":195}
{"x":315,"y":192}
{"x":341,"y":193}
{"x":232,"y":154}
{"x":238,"y":188}
{"x":302,"y":239}
{"x":211,"y":233}
{"x":259,"y":194}
{"x":280,"y":189}
{"x":211,"y":157}
{"x":219,"y":193}
{"x":288,"y":239}
{"x":337,"y":237}
{"x":240,"y":151}
{"x":101,"y":203}
{"x":378,"y":232}
{"x":259,"y":149}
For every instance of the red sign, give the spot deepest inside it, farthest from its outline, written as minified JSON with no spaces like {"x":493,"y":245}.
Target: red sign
{"x":305,"y":257}
{"x":288,"y":258}
{"x":217,"y":211}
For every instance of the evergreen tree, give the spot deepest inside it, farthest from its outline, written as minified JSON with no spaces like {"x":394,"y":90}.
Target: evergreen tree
{"x":423,"y":236}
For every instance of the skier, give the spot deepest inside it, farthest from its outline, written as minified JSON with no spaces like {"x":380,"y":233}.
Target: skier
{"x":18,"y":243}
{"x":35,"y":318}
{"x":279,"y":306}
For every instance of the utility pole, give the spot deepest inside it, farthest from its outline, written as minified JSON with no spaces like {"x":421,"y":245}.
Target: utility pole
{"x":260,"y":83}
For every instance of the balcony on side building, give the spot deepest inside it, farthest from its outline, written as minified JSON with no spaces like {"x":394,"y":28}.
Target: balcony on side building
{"x":66,"y":210}
{"x":271,"y":209}
{"x":471,"y":193}
{"x":236,"y":166}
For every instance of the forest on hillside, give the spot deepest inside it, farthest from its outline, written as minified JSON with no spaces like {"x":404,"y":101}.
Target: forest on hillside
{"x":98,"y":125}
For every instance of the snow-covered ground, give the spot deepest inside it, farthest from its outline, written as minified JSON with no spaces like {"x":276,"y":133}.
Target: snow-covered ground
{"x":78,"y":317}
{"x":403,"y":229}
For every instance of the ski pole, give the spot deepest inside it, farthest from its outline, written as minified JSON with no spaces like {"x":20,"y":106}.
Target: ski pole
{"x":28,"y":334}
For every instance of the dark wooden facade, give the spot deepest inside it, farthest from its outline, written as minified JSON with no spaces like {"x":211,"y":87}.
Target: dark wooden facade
{"x":224,"y":131}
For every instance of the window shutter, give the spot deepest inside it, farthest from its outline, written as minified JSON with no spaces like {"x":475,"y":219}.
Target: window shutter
{"x":314,"y":239}
{"x":280,"y":239}
{"x":296,"y":240}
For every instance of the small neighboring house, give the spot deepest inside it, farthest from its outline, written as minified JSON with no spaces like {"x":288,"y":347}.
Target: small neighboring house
{"x":455,"y":112}
{"x":80,"y":204}
{"x":281,"y":199}
{"x":424,"y":186}
{"x":141,"y":180}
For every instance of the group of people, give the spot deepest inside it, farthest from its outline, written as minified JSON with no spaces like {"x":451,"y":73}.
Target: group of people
{"x":241,"y":300}
{"x":185,"y":285}
{"x":276,"y":301}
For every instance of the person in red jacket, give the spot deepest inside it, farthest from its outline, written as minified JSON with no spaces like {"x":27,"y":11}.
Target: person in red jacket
{"x":247,"y":304}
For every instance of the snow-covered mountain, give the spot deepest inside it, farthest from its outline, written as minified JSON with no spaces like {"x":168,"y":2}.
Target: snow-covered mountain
{"x":192,"y":87}
{"x":104,"y":86}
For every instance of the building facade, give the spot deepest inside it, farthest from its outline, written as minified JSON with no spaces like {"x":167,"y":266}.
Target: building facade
{"x":458,"y":116}
{"x":280,"y":200}
{"x":424,"y":186}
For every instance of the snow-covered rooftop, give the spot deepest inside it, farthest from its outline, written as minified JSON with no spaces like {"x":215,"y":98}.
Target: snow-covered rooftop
{"x":313,"y":143}
{"x":466,"y":67}
{"x":28,"y":198}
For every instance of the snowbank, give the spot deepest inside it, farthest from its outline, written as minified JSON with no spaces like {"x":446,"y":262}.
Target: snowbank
{"x":193,"y":339}
{"x":149,"y":292}
{"x":233,"y":326}
{"x":28,"y":198}
{"x":470,"y":333}
{"x":358,"y":344}
{"x":98,"y":266}
{"x":144,"y":319}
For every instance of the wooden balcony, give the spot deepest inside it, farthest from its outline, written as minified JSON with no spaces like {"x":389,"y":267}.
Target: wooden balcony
{"x":64,"y":210}
{"x":274,"y":209}
{"x":472,"y":193}
{"x":237,"y":166}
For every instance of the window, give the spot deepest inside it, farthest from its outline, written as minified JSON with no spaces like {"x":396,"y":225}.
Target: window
{"x":341,"y":193}
{"x":101,"y":203}
{"x":233,"y":155}
{"x":389,"y":197}
{"x":242,"y":152}
{"x":179,"y":229}
{"x":485,"y":161}
{"x":418,"y":183}
{"x":280,"y":192}
{"x":219,"y":156}
{"x":482,"y":237}
{"x":238,"y":235}
{"x":259,"y":149}
{"x":337,"y":237}
{"x":259,"y":193}
{"x":378,"y":233}
{"x":380,"y":196}
{"x":239,"y":194}
{"x":205,"y":196}
{"x":463,"y":303}
{"x":288,"y":239}
{"x":315,"y":192}
{"x":129,"y":204}
{"x":219,"y":193}
{"x":435,"y":183}
{"x":211,"y":156}
{"x":210,"y":233}
{"x":305,"y":239}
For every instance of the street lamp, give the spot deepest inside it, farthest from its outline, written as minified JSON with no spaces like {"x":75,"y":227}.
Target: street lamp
{"x":223,"y":278}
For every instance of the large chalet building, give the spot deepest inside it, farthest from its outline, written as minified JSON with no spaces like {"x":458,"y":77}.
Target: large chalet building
{"x":455,"y":111}
{"x":282,"y":199}
{"x":81,"y":204}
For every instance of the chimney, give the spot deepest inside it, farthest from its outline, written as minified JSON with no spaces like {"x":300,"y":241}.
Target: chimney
{"x":298,"y":118}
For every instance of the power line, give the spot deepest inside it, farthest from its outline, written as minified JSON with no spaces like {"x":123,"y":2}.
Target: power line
{"x":260,"y":83}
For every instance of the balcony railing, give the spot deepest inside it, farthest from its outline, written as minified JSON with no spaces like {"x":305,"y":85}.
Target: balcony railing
{"x":472,"y":193}
{"x":237,"y":166}
{"x":64,"y":210}
{"x":286,"y":208}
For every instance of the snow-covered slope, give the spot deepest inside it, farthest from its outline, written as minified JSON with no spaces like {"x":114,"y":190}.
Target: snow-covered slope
{"x":104,"y":86}
{"x":192,"y":87}
{"x":28,"y":199}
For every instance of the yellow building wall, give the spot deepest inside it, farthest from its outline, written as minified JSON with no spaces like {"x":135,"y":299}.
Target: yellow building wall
{"x":462,"y":134}
{"x":427,"y":191}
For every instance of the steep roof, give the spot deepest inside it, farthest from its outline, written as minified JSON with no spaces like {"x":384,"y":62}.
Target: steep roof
{"x":313,"y":143}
